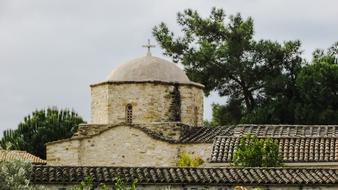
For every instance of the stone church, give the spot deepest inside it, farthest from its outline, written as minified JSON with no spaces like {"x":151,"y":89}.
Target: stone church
{"x":138,"y":116}
{"x":147,"y":112}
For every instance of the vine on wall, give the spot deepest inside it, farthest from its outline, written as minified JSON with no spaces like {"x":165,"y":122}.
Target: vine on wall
{"x":175,"y":105}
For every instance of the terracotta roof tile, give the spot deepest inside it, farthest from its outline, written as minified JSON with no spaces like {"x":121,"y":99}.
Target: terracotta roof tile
{"x":204,"y":176}
{"x":22,"y":155}
{"x":288,"y":130}
{"x":185,"y":134}
{"x":292,"y":149}
{"x":205,"y":134}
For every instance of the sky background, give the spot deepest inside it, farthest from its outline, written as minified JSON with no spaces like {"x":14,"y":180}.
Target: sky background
{"x":51,"y":50}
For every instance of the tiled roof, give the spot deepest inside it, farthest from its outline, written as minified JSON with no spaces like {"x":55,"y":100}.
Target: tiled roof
{"x":21,"y":155}
{"x":179,"y":133}
{"x":292,"y":149}
{"x":208,"y":134}
{"x":190,"y":135}
{"x":205,"y":134}
{"x":288,"y":130}
{"x":205,"y":176}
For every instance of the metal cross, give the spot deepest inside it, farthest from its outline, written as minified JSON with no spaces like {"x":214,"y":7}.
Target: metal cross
{"x":148,"y":46}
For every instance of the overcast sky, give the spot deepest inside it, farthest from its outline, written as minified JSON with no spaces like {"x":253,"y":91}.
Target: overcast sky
{"x":51,"y":50}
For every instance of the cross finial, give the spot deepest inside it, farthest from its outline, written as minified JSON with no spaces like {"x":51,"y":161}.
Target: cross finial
{"x":148,"y":46}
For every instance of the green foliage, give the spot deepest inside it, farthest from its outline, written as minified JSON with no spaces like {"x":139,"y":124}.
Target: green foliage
{"x":254,"y":152}
{"x":223,"y":55}
{"x":87,"y":184}
{"x":119,"y":184}
{"x":318,"y":89}
{"x":13,"y":175}
{"x":207,"y":123}
{"x":175,"y":106}
{"x":185,"y":160}
{"x":329,"y":56}
{"x":244,"y":188}
{"x":311,"y":96}
{"x":264,"y":81}
{"x":40,"y":127}
{"x":230,"y":113}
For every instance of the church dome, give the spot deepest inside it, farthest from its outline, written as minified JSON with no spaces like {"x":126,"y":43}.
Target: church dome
{"x":148,"y":68}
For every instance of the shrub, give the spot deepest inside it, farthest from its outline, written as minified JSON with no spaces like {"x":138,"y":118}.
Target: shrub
{"x":254,"y":152}
{"x":185,"y":160}
{"x":13,"y":175}
{"x":119,"y":184}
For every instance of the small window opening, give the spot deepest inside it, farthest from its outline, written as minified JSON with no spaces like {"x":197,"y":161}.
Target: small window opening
{"x":129,"y":113}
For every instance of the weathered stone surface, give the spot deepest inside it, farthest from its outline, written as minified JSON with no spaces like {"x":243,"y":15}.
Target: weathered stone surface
{"x":151,"y":103}
{"x":99,"y":104}
{"x":66,"y":153}
{"x":121,"y":146}
{"x":160,"y":109}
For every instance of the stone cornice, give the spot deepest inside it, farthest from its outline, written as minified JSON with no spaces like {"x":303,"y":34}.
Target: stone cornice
{"x":198,"y":85}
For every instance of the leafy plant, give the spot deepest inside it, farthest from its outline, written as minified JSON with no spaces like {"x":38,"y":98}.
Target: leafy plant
{"x":255,"y":152}
{"x":185,"y":160}
{"x":119,"y":184}
{"x":13,"y":175}
{"x":85,"y":184}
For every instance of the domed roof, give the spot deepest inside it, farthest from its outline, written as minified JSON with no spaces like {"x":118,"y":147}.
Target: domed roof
{"x":148,"y":68}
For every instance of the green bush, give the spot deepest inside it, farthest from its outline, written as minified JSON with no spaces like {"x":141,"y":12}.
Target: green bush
{"x":185,"y":160}
{"x":13,"y":175}
{"x":119,"y":184}
{"x":254,"y":152}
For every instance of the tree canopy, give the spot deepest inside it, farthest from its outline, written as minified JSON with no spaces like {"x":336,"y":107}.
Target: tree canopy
{"x":258,"y":77}
{"x":39,"y":128}
{"x":317,"y":84}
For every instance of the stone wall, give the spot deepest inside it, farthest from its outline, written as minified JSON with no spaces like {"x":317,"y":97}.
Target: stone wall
{"x":99,"y":104}
{"x":151,"y":102}
{"x":121,"y":146}
{"x":63,"y":152}
{"x":192,"y":105}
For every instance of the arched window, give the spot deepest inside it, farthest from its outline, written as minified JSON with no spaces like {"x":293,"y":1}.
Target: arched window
{"x":129,"y":113}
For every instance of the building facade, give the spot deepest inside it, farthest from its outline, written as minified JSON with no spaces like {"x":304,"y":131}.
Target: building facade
{"x":147,"y":112}
{"x":147,"y":90}
{"x":144,"y":96}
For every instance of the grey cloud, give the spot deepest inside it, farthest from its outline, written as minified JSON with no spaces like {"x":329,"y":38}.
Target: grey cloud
{"x":50,"y":51}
